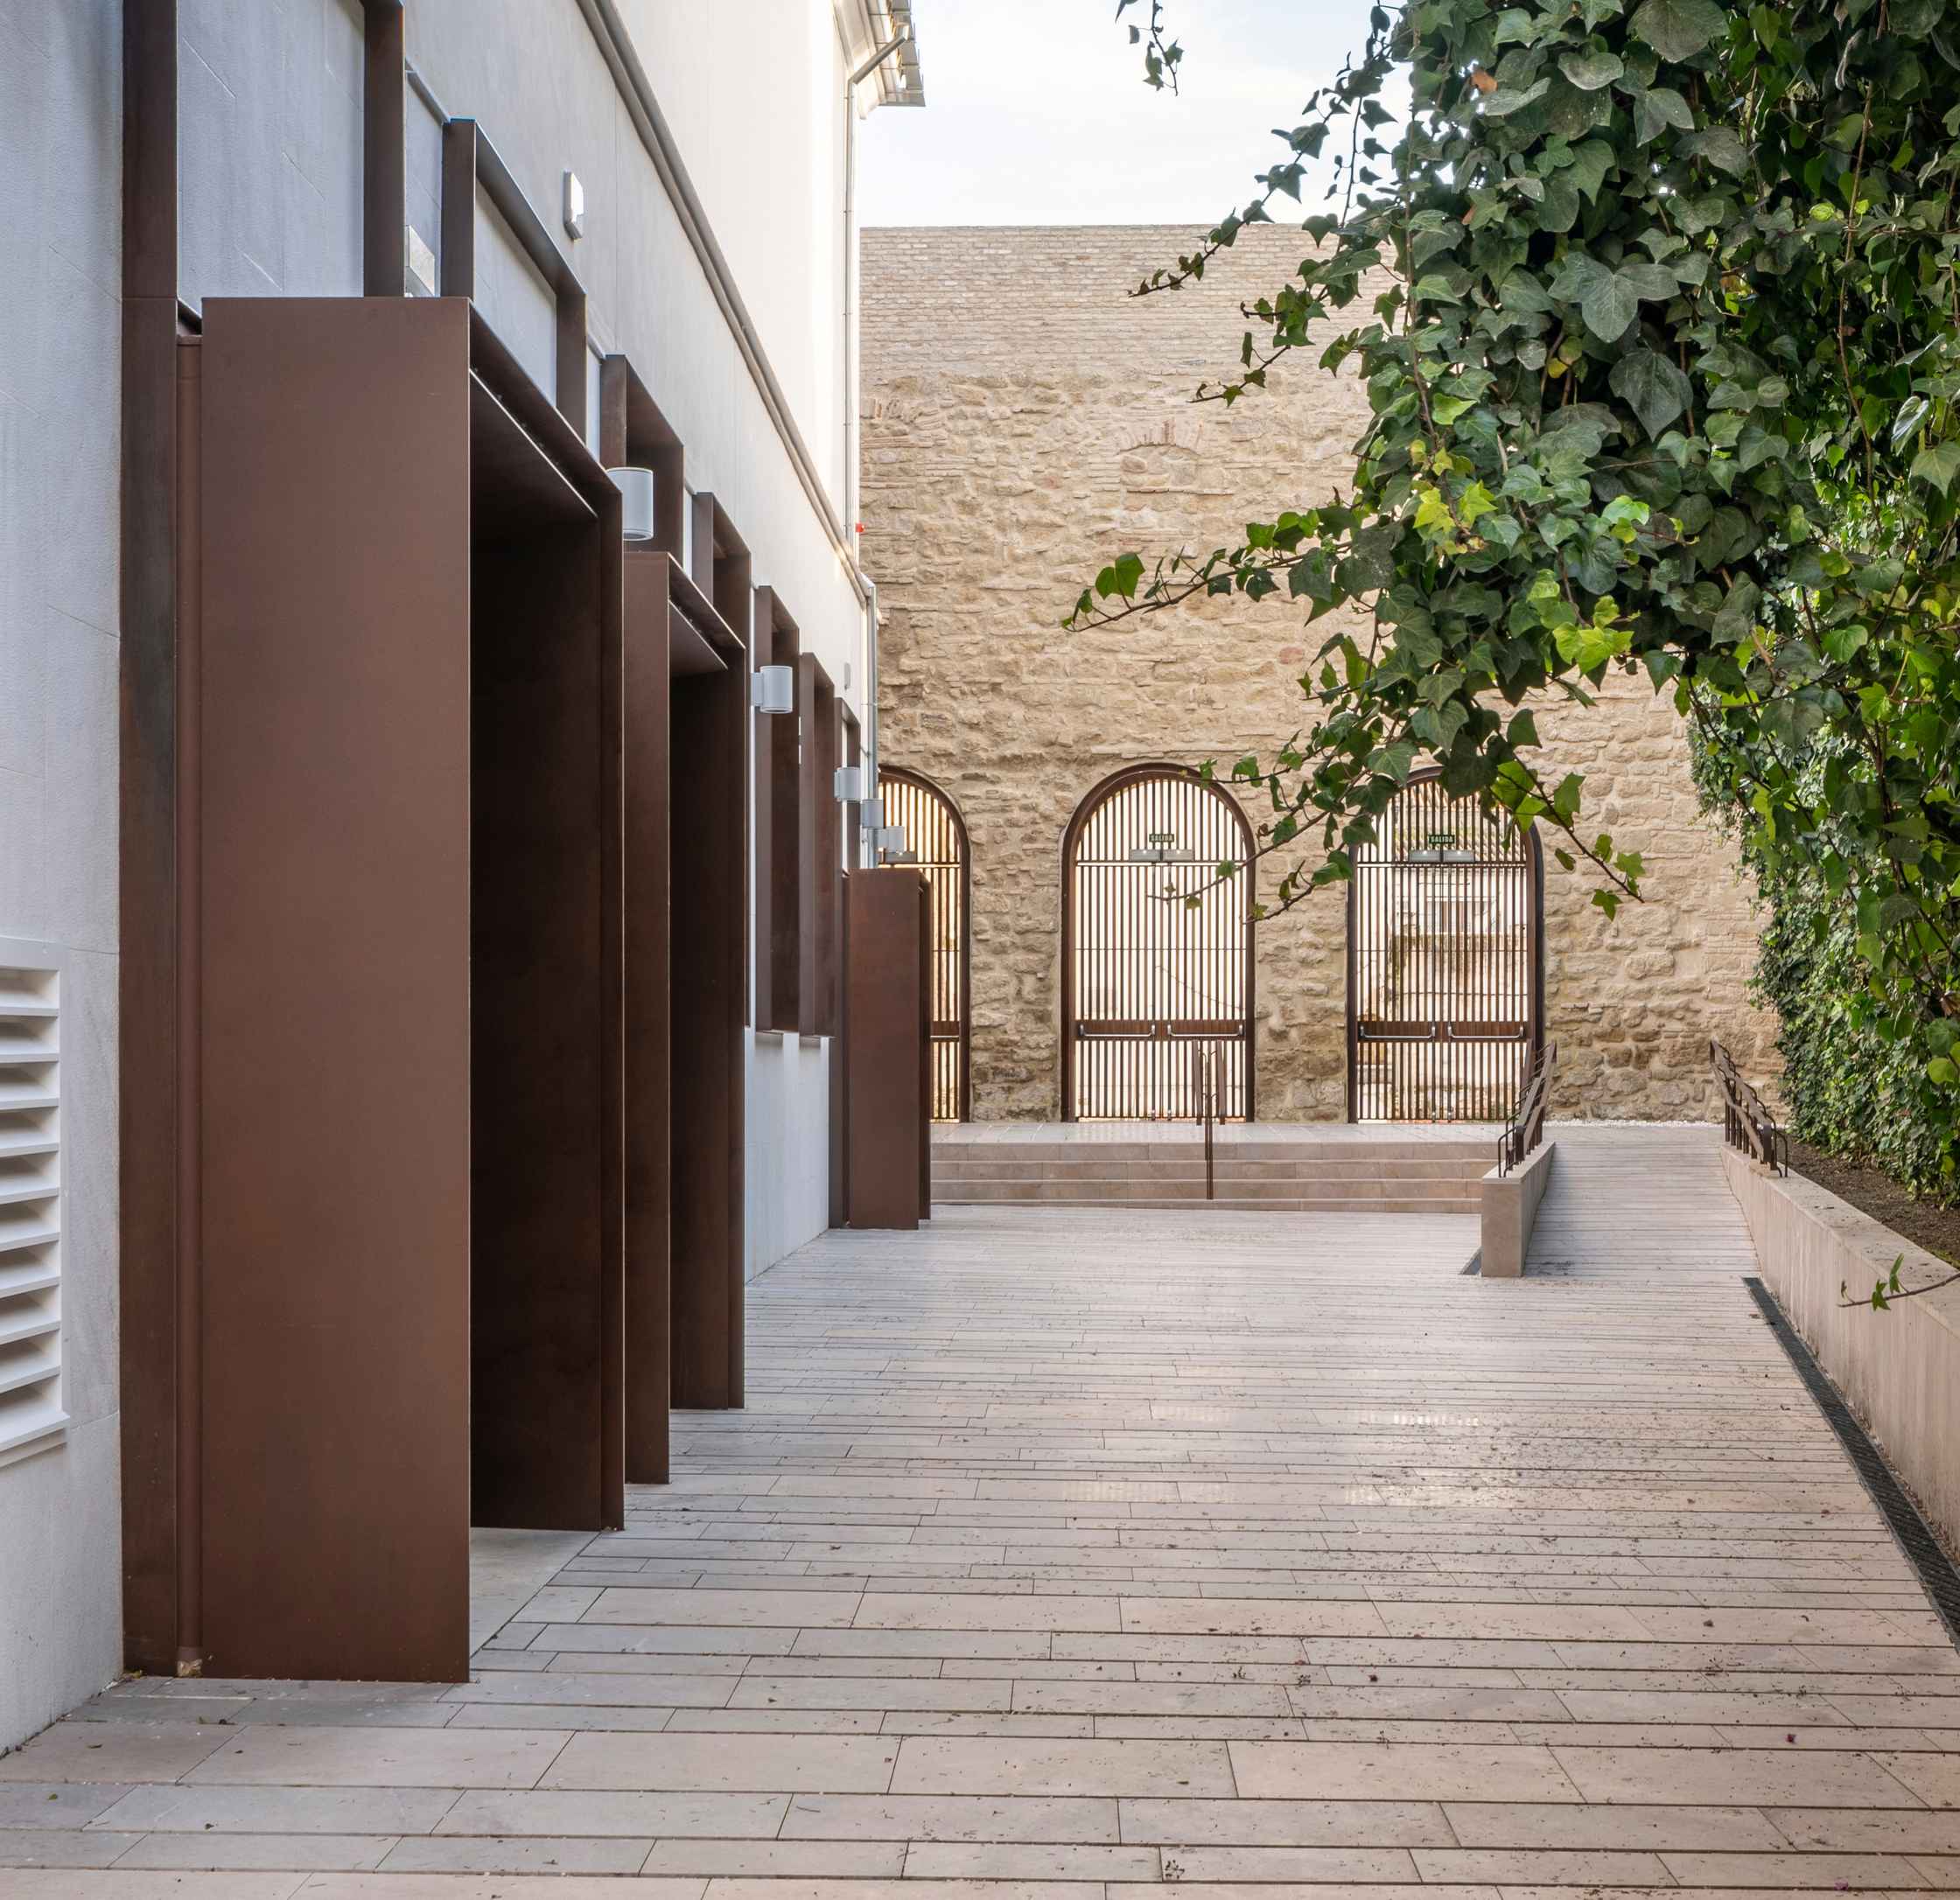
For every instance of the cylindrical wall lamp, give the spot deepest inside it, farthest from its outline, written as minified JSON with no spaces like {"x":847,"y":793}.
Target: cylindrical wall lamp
{"x":891,"y":840}
{"x":773,"y":689}
{"x":636,"y":493}
{"x":871,"y":813}
{"x":848,"y":784}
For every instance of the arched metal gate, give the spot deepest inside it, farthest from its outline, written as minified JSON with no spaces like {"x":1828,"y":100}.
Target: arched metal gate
{"x":936,"y":834}
{"x":1445,"y":961}
{"x":1156,"y":995}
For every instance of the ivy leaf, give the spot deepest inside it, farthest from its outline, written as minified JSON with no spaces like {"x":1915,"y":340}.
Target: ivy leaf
{"x":1720,"y":147}
{"x":1610,"y":306}
{"x":1938,"y":465}
{"x":1590,"y":162}
{"x":1121,"y":576}
{"x":1656,"y":108}
{"x":1651,"y":282}
{"x":1590,"y":67}
{"x":1559,"y":211}
{"x":1911,"y":412}
{"x":1737,"y":618}
{"x":1679,"y":29}
{"x":1653,"y":387}
{"x":1507,"y":100}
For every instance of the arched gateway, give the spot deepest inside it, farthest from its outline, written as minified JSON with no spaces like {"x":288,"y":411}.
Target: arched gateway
{"x":1156,"y":993}
{"x":1445,"y":961}
{"x":936,"y":834}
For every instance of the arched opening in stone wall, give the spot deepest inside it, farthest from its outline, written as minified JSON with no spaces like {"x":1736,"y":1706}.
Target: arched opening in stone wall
{"x":936,"y":833}
{"x":1156,"y":990}
{"x":1445,"y":961}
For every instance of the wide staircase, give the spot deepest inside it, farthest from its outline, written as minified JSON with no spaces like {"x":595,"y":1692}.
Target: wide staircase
{"x":1294,"y":1169}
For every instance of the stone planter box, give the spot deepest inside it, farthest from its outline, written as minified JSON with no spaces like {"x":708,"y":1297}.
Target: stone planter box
{"x":1900,"y":1369}
{"x":1510,"y":1208}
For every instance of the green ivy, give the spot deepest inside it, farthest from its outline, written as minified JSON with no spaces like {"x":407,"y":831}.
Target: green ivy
{"x":1664,"y":380}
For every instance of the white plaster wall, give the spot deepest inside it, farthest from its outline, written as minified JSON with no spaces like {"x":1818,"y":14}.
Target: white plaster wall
{"x":60,"y":212}
{"x":515,"y":298}
{"x":788,"y":1181}
{"x":754,"y":91}
{"x":269,"y":120}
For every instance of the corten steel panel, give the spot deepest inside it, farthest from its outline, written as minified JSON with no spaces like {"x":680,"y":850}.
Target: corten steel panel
{"x":149,"y":1157}
{"x":384,"y":158}
{"x":335,"y":929}
{"x":850,"y":754}
{"x":708,"y":774}
{"x":885,"y":1027}
{"x":612,"y":1002}
{"x":778,"y":838}
{"x":540,"y":1273}
{"x":647,"y":920}
{"x":925,"y":1048}
{"x":821,"y":874}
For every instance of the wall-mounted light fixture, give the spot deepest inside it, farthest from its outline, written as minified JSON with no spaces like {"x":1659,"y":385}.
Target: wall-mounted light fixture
{"x":848,"y":783}
{"x":636,"y":491}
{"x":871,"y":813}
{"x":891,"y":841}
{"x":575,"y":207}
{"x":773,"y":689}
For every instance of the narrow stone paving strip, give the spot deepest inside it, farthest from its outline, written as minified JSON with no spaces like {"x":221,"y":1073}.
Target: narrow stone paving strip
{"x":1061,"y":1552}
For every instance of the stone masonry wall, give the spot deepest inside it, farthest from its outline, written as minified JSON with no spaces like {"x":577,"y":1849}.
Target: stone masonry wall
{"x":1023,"y":420}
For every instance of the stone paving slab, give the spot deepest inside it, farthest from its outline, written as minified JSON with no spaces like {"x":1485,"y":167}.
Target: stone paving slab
{"x":1060,"y":1553}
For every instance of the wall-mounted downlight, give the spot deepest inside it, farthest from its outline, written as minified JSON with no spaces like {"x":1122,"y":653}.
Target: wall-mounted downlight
{"x":773,"y":689}
{"x":636,"y":493}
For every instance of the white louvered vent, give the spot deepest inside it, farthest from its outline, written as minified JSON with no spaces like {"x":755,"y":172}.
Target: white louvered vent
{"x":31,"y":1417}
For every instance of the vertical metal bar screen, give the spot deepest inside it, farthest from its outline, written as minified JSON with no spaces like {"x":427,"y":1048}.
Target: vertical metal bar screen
{"x":935,"y":834}
{"x":1158,"y":987}
{"x":1444,"y":948}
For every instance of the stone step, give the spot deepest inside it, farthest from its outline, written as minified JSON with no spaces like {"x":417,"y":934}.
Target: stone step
{"x":1454,"y":1205}
{"x":1183,"y":1191}
{"x":1451,"y":1149}
{"x":1227,"y":1167}
{"x":1302,"y":1170}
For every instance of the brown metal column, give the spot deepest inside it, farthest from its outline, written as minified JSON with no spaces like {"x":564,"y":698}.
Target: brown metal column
{"x":156,"y":1561}
{"x":335,"y":1024}
{"x":647,"y":1021}
{"x":887,"y":1024}
{"x":708,"y":767}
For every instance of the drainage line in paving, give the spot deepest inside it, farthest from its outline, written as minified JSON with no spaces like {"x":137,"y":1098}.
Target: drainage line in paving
{"x":1935,"y":1568}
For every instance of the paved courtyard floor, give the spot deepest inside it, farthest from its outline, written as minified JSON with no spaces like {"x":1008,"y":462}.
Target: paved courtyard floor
{"x":1061,"y":1553}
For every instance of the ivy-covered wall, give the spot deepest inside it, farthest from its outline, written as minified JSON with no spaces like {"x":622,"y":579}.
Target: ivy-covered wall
{"x":1844,"y":1089}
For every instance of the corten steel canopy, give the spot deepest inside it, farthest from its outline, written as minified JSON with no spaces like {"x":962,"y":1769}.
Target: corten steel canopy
{"x":390,"y":1118}
{"x":1445,"y":961}
{"x":1156,"y":992}
{"x":887,"y":998}
{"x":935,"y":832}
{"x":405,"y":652}
{"x":685,"y":918}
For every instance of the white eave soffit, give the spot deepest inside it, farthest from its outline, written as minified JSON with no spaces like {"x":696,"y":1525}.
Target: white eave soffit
{"x":871,"y":24}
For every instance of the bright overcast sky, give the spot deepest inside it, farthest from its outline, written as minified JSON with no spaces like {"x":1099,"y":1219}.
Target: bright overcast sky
{"x":1037,"y":112}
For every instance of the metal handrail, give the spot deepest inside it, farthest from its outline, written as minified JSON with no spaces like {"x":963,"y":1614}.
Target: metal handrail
{"x":1526,"y":1125}
{"x":1747,"y":1125}
{"x":1207,"y":1096}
